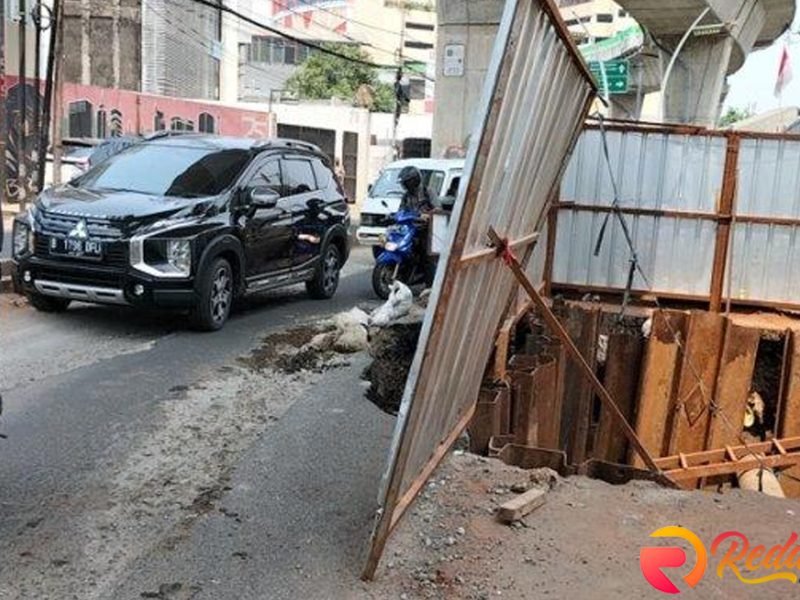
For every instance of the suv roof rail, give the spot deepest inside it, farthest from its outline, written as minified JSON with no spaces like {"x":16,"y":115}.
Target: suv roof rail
{"x":157,"y":135}
{"x":285,"y":143}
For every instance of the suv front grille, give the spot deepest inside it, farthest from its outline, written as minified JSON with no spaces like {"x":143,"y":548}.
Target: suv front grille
{"x":115,"y":254}
{"x":115,"y":251}
{"x":60,"y":224}
{"x":370,"y":220}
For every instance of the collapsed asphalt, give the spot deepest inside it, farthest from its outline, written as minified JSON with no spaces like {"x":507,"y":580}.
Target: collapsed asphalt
{"x":94,"y":394}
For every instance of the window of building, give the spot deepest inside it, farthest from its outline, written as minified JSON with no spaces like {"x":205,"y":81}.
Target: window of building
{"x":102,"y":124}
{"x":275,"y":51}
{"x":420,"y":26}
{"x":605,"y":18}
{"x":206,"y":123}
{"x":416,"y":89}
{"x":80,"y":119}
{"x":414,"y":45}
{"x":622,"y":13}
{"x":158,"y":121}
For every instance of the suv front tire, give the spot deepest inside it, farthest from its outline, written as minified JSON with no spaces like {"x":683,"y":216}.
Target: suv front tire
{"x":47,"y":303}
{"x":215,"y":296}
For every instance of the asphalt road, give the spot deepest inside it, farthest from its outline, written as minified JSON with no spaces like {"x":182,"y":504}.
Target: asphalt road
{"x":114,"y":416}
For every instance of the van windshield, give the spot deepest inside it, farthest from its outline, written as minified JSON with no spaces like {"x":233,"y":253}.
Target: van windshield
{"x":389,"y":185}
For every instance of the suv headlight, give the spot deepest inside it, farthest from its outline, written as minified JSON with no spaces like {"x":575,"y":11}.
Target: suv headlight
{"x":162,"y":257}
{"x":22,"y":239}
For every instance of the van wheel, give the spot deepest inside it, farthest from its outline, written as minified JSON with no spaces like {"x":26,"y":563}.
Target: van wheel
{"x":47,"y":303}
{"x":215,"y":297}
{"x":326,"y":278}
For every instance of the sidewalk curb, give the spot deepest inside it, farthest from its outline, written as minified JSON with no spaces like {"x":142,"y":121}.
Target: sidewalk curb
{"x":6,"y":283}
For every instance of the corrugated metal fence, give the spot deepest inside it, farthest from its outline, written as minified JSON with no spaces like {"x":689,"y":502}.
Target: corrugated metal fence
{"x":536,"y":97}
{"x":703,"y":206}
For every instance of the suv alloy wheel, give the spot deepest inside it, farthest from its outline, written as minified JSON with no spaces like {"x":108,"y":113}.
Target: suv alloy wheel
{"x":215,"y":296}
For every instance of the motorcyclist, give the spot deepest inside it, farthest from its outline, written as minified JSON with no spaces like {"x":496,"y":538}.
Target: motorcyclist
{"x":416,"y":196}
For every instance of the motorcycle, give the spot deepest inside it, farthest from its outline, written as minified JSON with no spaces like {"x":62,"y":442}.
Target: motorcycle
{"x":404,"y":257}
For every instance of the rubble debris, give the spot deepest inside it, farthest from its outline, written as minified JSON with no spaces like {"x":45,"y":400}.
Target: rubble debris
{"x":392,"y":350}
{"x":312,"y":347}
{"x":399,"y":304}
{"x":761,"y":480}
{"x":392,"y":344}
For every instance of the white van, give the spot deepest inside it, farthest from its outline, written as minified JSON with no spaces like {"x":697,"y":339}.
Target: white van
{"x":441,"y":177}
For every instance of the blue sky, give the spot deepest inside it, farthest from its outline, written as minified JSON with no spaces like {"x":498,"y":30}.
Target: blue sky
{"x":754,"y":83}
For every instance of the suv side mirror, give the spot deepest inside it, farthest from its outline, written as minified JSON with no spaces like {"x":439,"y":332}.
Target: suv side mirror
{"x":263,"y":197}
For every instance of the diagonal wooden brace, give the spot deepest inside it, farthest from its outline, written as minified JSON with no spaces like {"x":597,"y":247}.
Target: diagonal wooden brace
{"x":555,"y":325}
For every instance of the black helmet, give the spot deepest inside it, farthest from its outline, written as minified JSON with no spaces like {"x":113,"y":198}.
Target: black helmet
{"x":411,"y":179}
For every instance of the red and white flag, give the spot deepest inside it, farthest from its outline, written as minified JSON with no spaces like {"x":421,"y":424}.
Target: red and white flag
{"x":784,"y":72}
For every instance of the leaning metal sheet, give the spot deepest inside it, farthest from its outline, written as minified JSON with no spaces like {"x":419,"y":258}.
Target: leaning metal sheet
{"x":537,"y":94}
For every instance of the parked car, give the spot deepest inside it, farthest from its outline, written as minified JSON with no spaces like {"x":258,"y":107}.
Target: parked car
{"x":440,"y":177}
{"x":189,"y":222}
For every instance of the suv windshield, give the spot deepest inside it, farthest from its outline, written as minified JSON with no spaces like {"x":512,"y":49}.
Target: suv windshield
{"x":167,"y":170}
{"x":388,"y":185}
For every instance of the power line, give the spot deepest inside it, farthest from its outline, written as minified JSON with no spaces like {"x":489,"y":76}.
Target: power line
{"x":360,"y":23}
{"x":332,"y":30}
{"x":293,"y":38}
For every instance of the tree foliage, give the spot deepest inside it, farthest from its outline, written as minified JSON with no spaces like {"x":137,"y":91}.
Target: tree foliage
{"x":734,"y":115}
{"x":323,"y":76}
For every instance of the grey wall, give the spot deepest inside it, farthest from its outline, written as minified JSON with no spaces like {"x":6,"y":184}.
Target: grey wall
{"x":102,"y":39}
{"x":473,"y":24}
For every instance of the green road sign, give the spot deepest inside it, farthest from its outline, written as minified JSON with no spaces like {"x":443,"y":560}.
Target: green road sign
{"x":617,"y":75}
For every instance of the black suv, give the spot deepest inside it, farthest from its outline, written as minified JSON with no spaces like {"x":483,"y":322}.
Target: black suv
{"x":188,"y":222}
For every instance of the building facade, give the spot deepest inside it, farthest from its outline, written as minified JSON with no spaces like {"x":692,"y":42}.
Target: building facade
{"x":391,"y":32}
{"x":593,"y":21}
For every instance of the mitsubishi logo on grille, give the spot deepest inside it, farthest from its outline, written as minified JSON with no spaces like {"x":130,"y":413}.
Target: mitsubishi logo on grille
{"x":80,"y":231}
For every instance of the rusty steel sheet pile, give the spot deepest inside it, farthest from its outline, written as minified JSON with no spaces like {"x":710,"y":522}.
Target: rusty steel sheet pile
{"x":536,"y":97}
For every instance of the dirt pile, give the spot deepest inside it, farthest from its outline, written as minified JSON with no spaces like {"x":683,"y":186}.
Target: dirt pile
{"x":584,"y":542}
{"x":392,"y":350}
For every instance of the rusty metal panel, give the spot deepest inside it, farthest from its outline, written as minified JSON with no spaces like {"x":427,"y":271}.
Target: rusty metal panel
{"x":537,"y":94}
{"x":734,"y":383}
{"x":790,"y":412}
{"x":584,"y":328}
{"x":697,"y":383}
{"x":660,"y":369}
{"x":486,"y":423}
{"x":623,"y":363}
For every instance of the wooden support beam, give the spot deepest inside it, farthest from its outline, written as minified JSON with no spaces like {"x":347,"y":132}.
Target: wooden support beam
{"x":489,"y":253}
{"x":555,"y":326}
{"x":687,"y":469}
{"x":726,"y":207}
{"x":524,"y":504}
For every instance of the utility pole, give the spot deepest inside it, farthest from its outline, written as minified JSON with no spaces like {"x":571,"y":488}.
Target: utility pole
{"x":400,"y":95}
{"x":44,"y":132}
{"x":2,"y":116}
{"x":22,"y":142}
{"x":58,"y":91}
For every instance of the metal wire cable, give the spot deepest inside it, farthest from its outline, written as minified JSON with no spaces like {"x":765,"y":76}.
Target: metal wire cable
{"x":709,"y":403}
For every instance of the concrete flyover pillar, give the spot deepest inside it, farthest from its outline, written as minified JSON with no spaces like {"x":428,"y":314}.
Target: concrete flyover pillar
{"x":694,"y":92}
{"x":466,"y":34}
